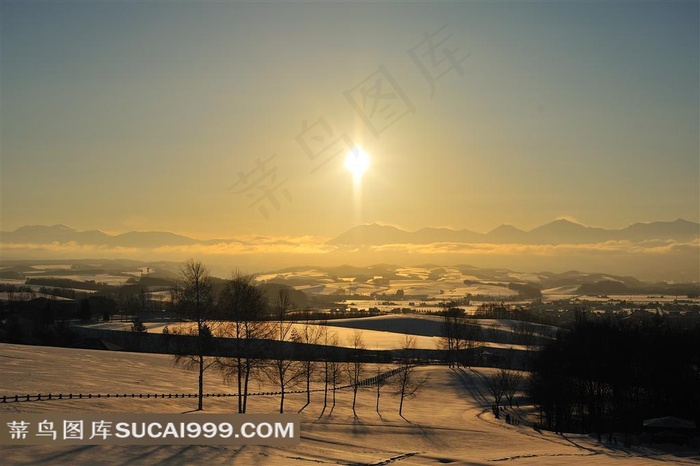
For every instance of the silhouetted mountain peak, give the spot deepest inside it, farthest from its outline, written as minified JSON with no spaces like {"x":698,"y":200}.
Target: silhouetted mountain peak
{"x":506,"y":228}
{"x":677,"y":229}
{"x":34,"y":229}
{"x":47,"y":234}
{"x":559,"y":224}
{"x":372,"y":233}
{"x":560,"y":231}
{"x":505,"y":234}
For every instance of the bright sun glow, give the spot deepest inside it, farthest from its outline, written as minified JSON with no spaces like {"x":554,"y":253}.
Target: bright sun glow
{"x":357,"y":161}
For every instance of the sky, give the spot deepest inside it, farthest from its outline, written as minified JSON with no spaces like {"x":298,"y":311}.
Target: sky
{"x":217,"y":119}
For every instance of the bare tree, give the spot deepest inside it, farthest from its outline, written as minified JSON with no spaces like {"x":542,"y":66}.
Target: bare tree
{"x":449,"y":337}
{"x":494,"y":384}
{"x":308,"y":335}
{"x":408,"y":384}
{"x":504,"y":383}
{"x":334,"y":371}
{"x":328,"y":340}
{"x":511,"y":381}
{"x":283,"y":371}
{"x":356,"y":367}
{"x":380,"y":381}
{"x":459,"y":335}
{"x":195,"y":302}
{"x":243,"y":306}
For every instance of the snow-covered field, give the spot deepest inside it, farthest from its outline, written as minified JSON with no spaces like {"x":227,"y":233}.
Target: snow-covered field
{"x":450,"y":421}
{"x":384,"y":332}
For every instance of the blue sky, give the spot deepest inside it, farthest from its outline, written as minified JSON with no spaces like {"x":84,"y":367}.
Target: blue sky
{"x":142,"y":115}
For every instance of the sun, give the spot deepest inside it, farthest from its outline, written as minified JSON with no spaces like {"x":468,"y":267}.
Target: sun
{"x":357,"y":162}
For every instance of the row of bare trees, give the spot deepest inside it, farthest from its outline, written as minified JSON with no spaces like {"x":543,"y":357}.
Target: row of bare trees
{"x":504,"y":384}
{"x":242,"y":313}
{"x":460,"y":334}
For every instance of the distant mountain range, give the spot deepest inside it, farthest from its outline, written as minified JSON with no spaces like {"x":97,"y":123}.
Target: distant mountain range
{"x":556,"y":232}
{"x":42,"y":234}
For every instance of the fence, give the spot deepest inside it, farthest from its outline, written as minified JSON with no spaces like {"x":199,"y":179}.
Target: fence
{"x":91,"y":396}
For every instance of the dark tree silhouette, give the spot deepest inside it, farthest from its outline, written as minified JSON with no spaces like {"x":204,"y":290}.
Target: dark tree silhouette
{"x":282,"y":370}
{"x":308,"y":335}
{"x":459,"y":336}
{"x":195,"y":302}
{"x":512,"y":382}
{"x":495,"y":387}
{"x":243,"y":306}
{"x":356,"y":367}
{"x":408,"y":384}
{"x":612,"y":374}
{"x":380,"y":382}
{"x":333,"y":372}
{"x":85,"y":313}
{"x":330,"y":368}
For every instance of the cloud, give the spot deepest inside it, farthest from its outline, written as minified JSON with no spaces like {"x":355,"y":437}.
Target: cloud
{"x":247,"y":245}
{"x":654,"y":260}
{"x":251,"y":245}
{"x":311,"y":245}
{"x":68,"y":247}
{"x":607,"y":247}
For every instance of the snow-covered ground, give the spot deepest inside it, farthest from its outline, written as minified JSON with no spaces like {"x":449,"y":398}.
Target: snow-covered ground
{"x":450,"y":421}
{"x":384,"y":332}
